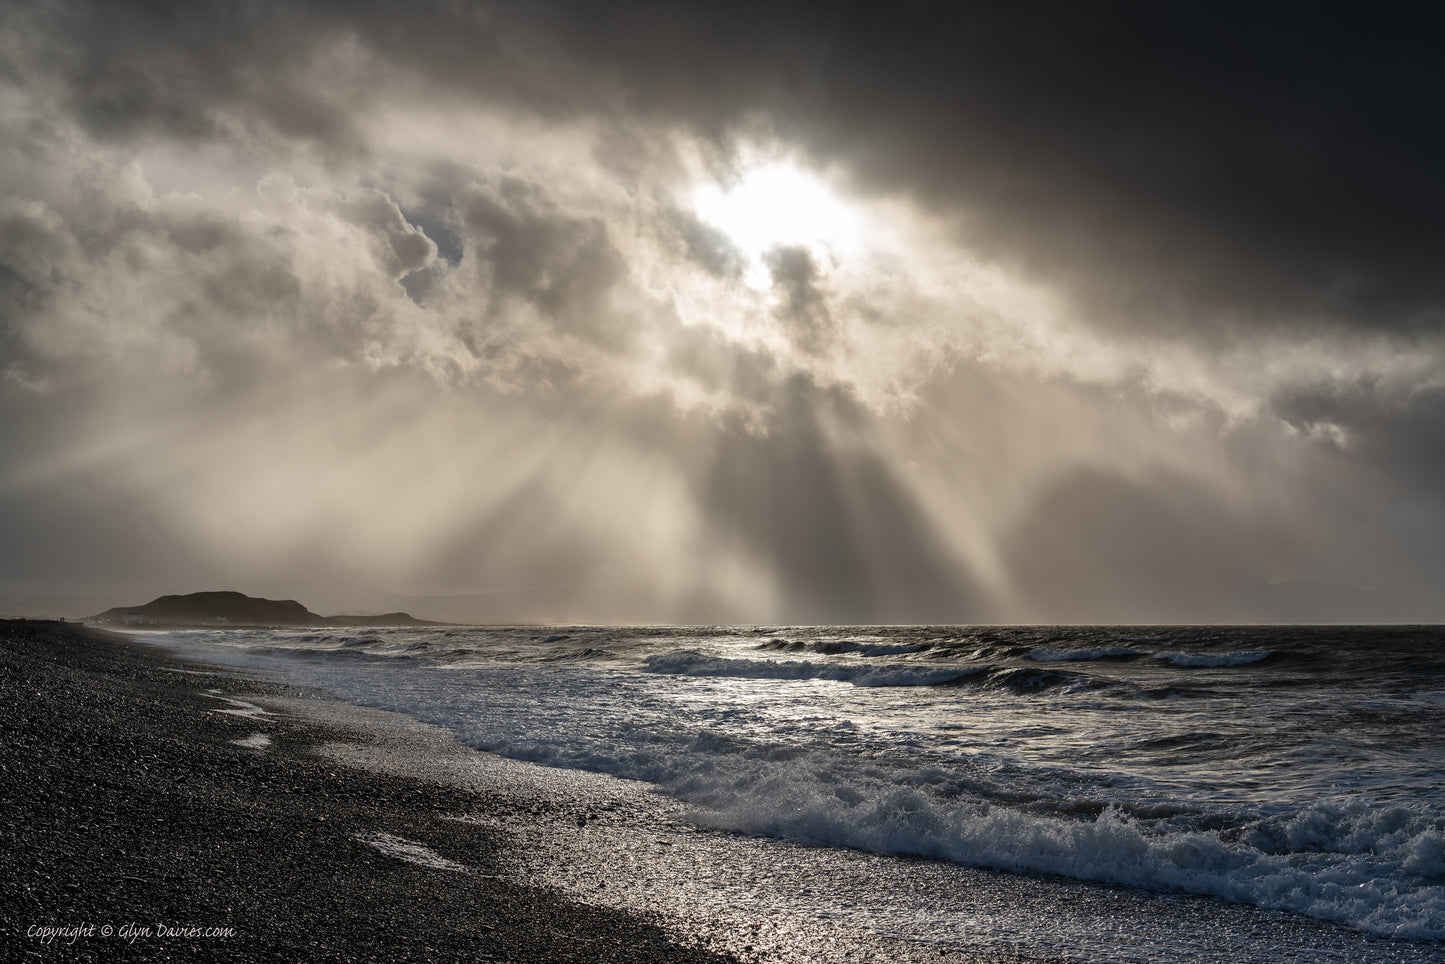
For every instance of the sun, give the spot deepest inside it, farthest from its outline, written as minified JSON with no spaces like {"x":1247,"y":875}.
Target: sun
{"x":779,"y":204}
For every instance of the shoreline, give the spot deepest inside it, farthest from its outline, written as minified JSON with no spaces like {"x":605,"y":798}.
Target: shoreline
{"x":197,"y":824}
{"x":145,"y":789}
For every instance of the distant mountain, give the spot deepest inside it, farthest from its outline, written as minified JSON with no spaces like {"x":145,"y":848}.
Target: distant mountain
{"x":210,"y":609}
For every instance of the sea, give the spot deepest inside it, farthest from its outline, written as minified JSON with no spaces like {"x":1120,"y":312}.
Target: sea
{"x":1036,"y":793}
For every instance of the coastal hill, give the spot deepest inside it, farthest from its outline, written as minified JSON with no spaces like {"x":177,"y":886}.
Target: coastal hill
{"x":210,"y":609}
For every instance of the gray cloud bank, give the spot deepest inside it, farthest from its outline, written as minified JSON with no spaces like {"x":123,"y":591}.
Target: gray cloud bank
{"x":368,"y":301}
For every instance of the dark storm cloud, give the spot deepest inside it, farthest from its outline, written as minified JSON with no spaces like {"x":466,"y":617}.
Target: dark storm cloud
{"x":1160,"y":158}
{"x":33,"y":247}
{"x":1180,"y":166}
{"x":1171,"y":161}
{"x":1402,"y":437}
{"x":192,"y":72}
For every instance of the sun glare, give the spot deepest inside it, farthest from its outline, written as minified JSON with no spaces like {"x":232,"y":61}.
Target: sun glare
{"x":778,"y":205}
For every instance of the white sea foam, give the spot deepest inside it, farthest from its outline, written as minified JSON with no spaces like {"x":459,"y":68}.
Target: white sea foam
{"x":1209,"y":660}
{"x":256,"y":741}
{"x":1377,"y":870}
{"x":408,"y":850}
{"x":238,"y":707}
{"x":1374,"y":869}
{"x":1380,"y":873}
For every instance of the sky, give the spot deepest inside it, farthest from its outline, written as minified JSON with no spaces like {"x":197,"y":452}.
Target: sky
{"x":780,"y":312}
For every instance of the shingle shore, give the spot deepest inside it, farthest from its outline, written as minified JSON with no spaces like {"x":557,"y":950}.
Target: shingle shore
{"x":125,"y":806}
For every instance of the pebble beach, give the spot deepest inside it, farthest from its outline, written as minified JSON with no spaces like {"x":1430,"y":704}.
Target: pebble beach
{"x":145,"y":820}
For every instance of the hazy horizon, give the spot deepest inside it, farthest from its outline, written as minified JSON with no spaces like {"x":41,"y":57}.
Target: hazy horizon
{"x":74,"y":607}
{"x":725,"y":314}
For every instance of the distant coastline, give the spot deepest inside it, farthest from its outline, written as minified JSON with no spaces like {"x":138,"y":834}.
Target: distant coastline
{"x":210,"y":610}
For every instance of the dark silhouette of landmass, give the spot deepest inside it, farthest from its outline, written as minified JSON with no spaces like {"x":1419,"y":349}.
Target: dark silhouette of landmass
{"x":211,"y":609}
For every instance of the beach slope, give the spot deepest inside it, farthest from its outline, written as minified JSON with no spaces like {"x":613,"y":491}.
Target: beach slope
{"x":147,"y":819}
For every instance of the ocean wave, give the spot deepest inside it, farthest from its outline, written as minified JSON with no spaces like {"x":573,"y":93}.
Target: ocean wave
{"x":840,"y":647}
{"x":1029,"y":680}
{"x":690,"y":663}
{"x":1212,"y":660}
{"x":1044,"y":654}
{"x":1382,"y":872}
{"x":355,"y":654}
{"x":584,"y":655}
